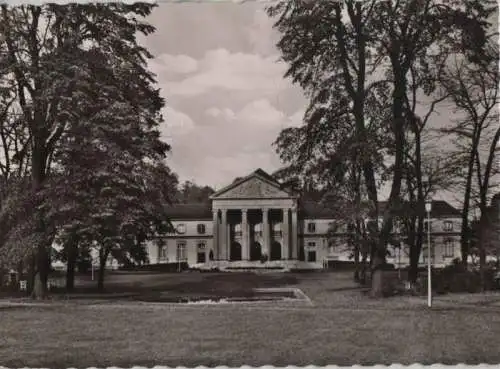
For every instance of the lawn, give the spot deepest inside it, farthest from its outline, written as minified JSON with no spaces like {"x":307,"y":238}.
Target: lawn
{"x":343,"y":327}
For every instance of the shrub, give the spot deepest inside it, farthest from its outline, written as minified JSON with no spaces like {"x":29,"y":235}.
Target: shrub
{"x":456,"y":278}
{"x":164,"y":268}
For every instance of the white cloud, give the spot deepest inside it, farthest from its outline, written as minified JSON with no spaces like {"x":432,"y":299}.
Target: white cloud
{"x":176,"y":124}
{"x":237,"y":145}
{"x":166,"y":65}
{"x":233,"y":71}
{"x":226,"y":113}
{"x":296,"y":119}
{"x":229,"y":144}
{"x":213,"y":112}
{"x":260,"y":112}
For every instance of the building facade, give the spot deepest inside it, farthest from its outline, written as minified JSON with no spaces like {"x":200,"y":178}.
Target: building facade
{"x":255,"y":221}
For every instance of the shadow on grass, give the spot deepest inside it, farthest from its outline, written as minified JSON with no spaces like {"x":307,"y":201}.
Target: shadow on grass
{"x":183,"y":287}
{"x":354,"y":288}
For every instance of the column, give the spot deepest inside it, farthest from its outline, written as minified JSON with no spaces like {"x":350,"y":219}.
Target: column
{"x":295,"y":254}
{"x":223,"y":255}
{"x":285,"y":229}
{"x":215,"y":227}
{"x":245,"y":249}
{"x":265,"y":233}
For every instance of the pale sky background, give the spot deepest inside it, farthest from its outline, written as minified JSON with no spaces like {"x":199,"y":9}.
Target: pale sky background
{"x":226,"y":98}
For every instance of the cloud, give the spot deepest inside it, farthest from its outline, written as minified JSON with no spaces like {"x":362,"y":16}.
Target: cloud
{"x":260,"y":33}
{"x":166,"y":66}
{"x":296,"y":119}
{"x":220,"y":69}
{"x":176,"y":124}
{"x":260,"y":112}
{"x":239,"y":142}
{"x":225,"y":113}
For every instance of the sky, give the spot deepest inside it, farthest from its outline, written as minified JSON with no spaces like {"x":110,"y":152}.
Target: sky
{"x":226,"y":98}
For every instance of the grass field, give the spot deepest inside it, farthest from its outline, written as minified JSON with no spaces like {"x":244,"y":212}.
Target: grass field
{"x":343,"y":326}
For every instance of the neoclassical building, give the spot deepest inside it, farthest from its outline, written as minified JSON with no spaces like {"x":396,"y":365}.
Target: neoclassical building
{"x":257,"y":220}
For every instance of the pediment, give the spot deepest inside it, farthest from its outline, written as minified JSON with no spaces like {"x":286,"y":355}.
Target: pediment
{"x":253,"y":187}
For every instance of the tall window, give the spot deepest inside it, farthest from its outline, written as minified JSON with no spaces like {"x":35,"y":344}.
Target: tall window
{"x":448,"y":226}
{"x":311,"y":227}
{"x":311,"y":244}
{"x":163,"y":252}
{"x":449,"y":248}
{"x":201,"y":229}
{"x":201,"y":256}
{"x":311,"y":256}
{"x":181,"y":251}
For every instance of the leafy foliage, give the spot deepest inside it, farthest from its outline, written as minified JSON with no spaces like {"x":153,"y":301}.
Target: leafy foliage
{"x":86,"y":113}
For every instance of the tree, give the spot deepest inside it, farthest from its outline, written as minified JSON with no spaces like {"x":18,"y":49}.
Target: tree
{"x":325,"y":48}
{"x":60,"y":56}
{"x":473,"y":89}
{"x":348,"y":73}
{"x":190,"y":192}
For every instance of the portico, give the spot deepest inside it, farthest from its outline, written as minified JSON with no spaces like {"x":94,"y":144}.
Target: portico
{"x":255,"y":219}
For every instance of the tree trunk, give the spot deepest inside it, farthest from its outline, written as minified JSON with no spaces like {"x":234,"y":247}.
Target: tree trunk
{"x":398,"y":97}
{"x":41,"y":274}
{"x":72,"y":254}
{"x":20,"y":272}
{"x":103,"y":257}
{"x":416,"y":250}
{"x":100,"y":277}
{"x":31,"y":274}
{"x":464,"y":234}
{"x":356,"y":263}
{"x":483,"y":229}
{"x":364,"y":267}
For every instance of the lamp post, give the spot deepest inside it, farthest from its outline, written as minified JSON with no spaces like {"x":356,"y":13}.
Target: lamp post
{"x":428,"y":208}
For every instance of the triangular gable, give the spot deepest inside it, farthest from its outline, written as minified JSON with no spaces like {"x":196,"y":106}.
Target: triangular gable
{"x":255,"y":185}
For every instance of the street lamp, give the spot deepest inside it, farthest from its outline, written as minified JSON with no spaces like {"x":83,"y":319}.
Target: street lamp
{"x":428,"y":208}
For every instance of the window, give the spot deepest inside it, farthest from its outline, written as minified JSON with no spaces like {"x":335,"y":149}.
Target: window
{"x":258,"y":229}
{"x":449,"y":249}
{"x":201,"y":257}
{"x":181,"y":251}
{"x":311,"y":244}
{"x":311,"y":227}
{"x":163,"y":252}
{"x":201,"y":229}
{"x":448,"y":226}
{"x":181,"y":228}
{"x":311,"y":256}
{"x":237,"y":230}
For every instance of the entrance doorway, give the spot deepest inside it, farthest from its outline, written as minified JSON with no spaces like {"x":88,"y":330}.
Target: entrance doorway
{"x":235,"y":252}
{"x":255,"y":251}
{"x":275,"y":251}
